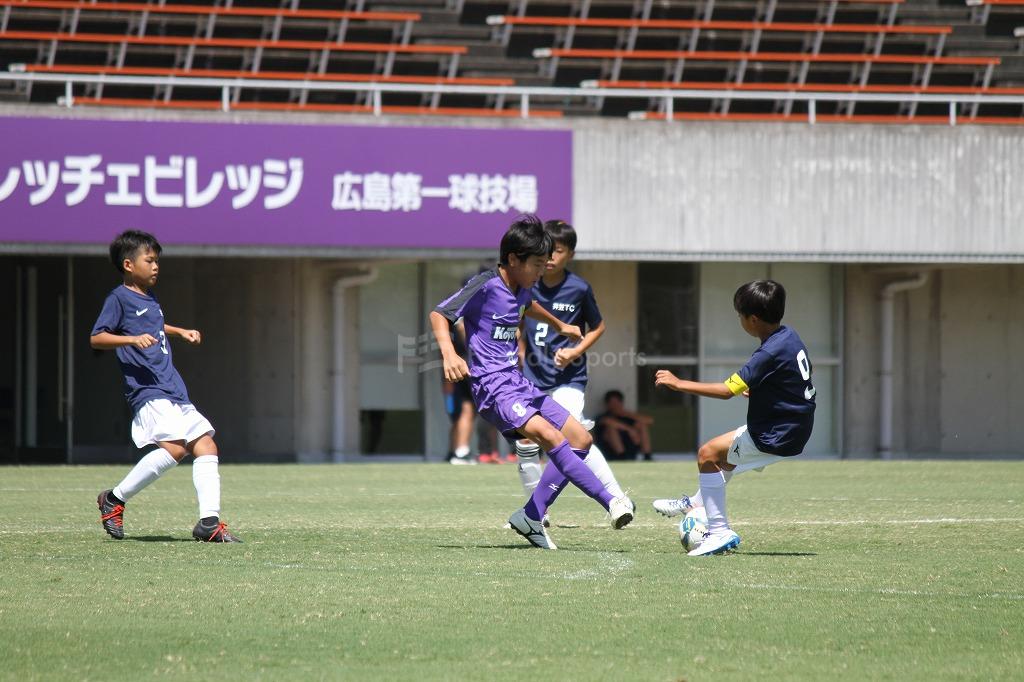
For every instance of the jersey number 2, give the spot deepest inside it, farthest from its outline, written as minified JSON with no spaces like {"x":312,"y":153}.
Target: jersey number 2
{"x":542,"y":333}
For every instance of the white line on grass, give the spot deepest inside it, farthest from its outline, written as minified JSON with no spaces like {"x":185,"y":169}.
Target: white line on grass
{"x":858,"y":522}
{"x":882,"y":591}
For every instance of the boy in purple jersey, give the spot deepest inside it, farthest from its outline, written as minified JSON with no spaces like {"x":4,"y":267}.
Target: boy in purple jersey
{"x":780,"y":414}
{"x":132,"y":324}
{"x":558,"y":367}
{"x":492,"y":306}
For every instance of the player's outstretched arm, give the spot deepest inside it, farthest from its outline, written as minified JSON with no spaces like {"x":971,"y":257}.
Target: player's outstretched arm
{"x":570,"y":331}
{"x":564,"y":356}
{"x":191,"y":335}
{"x":108,"y":341}
{"x":455,"y":368}
{"x":665,"y":378}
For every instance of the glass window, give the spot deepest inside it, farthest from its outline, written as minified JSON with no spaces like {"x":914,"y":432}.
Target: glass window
{"x":667,"y":327}
{"x":667,"y":309}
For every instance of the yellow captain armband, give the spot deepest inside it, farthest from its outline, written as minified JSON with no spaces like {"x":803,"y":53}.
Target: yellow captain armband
{"x":736,"y":384}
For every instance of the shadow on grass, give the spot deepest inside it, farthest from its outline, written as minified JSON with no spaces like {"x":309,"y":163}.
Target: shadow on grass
{"x":775,"y":554}
{"x":485,"y":547}
{"x":157,"y":538}
{"x":561,"y":548}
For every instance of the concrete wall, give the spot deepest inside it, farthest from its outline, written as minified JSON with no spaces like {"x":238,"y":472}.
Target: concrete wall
{"x":957,"y":361}
{"x":786,"y":192}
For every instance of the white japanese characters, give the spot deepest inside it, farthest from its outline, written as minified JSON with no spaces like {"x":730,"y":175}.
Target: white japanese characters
{"x":176,"y":182}
{"x":180,"y":181}
{"x":469,"y":193}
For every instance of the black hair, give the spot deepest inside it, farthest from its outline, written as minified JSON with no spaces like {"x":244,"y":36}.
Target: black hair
{"x":614,"y":393}
{"x":561,"y":233}
{"x":127,"y":245}
{"x":765,"y":298}
{"x":526,"y":237}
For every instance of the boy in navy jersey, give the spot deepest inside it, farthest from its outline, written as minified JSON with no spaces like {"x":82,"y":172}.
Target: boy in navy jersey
{"x":557,"y":366}
{"x":492,"y":306}
{"x":132,"y":324}
{"x":780,"y":414}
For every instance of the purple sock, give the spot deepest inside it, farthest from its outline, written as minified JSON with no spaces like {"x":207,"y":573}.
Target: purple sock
{"x":568,"y":463}
{"x":550,"y":486}
{"x":553,"y":480}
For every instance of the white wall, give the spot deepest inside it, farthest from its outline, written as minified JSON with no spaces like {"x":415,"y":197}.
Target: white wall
{"x":957,"y":362}
{"x":615,"y":289}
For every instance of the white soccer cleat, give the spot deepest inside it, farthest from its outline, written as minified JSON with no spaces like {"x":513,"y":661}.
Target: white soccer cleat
{"x":621,"y":510}
{"x":716,"y":543}
{"x":546,"y":521}
{"x":532,"y":530}
{"x":670,"y":508}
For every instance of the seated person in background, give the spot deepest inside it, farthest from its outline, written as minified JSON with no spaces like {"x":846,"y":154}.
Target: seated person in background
{"x":620,"y":433}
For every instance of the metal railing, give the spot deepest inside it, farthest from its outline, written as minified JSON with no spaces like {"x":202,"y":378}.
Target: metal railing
{"x":525,"y":94}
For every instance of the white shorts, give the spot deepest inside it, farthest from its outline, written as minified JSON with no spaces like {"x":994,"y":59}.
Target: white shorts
{"x":162,"y":420}
{"x":744,"y":455}
{"x":572,"y":399}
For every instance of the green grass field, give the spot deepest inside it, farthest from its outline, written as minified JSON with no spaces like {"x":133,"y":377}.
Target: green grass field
{"x":852,"y":570}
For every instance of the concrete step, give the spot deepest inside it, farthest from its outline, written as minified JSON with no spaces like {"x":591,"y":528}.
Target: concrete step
{"x":451,"y":33}
{"x":945,"y":14}
{"x":405,"y":5}
{"x":991,"y":47}
{"x":495,"y":63}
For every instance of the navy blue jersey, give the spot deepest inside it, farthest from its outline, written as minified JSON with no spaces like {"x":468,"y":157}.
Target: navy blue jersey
{"x":780,"y":414}
{"x":573,"y":302}
{"x":148,"y":373}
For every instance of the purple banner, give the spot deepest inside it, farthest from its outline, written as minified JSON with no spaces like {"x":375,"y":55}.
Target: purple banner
{"x":83,"y":181}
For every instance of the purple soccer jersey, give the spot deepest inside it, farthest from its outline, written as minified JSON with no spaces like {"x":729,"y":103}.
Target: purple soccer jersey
{"x":491,"y":314}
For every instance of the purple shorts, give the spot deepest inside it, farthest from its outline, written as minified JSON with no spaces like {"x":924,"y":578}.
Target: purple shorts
{"x":508,"y":400}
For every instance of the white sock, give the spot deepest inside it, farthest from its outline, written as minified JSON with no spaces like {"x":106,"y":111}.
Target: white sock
{"x":712,"y":488}
{"x":462,"y":451}
{"x":207,"y":482}
{"x":149,"y":468}
{"x":697,"y":499}
{"x":596,"y":462}
{"x":528,"y":456}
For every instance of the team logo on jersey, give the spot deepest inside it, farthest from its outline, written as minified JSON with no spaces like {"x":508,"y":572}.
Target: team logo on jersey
{"x":564,"y":307}
{"x":504,"y":333}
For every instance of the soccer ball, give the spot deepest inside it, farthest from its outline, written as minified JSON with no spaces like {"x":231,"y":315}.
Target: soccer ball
{"x":692,"y":528}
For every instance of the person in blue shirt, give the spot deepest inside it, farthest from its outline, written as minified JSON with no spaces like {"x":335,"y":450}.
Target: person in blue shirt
{"x":780,"y":412}
{"x":132,"y":324}
{"x":556,"y":364}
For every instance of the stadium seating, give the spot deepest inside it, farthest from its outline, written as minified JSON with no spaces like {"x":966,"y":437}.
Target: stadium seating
{"x":282,"y":43}
{"x":896,"y":47}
